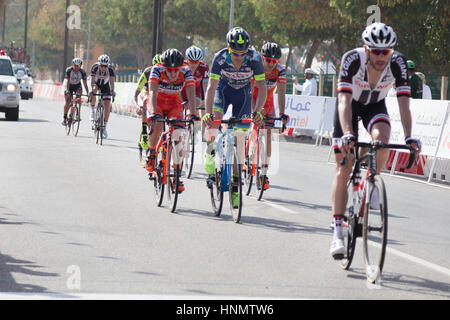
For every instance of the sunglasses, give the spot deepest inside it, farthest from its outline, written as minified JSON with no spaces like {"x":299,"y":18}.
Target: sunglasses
{"x":238,"y":53}
{"x":194,"y":61}
{"x":172,"y":69}
{"x":270,"y":60}
{"x":377,"y":52}
{"x":103,"y":66}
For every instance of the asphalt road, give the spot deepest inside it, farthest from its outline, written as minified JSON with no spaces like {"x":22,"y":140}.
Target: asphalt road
{"x":78,"y":220}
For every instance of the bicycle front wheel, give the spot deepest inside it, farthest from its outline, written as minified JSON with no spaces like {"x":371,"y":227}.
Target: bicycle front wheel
{"x":173,"y":179}
{"x":250,"y":164}
{"x":235,"y":192}
{"x":262,"y":167}
{"x":375,"y":229}
{"x":157,"y":179}
{"x":190,"y":150}
{"x":76,"y":120}
{"x":350,"y":229}
{"x":69,"y":120}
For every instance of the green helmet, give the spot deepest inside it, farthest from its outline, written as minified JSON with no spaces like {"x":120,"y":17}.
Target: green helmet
{"x":156,"y":59}
{"x":411,"y":64}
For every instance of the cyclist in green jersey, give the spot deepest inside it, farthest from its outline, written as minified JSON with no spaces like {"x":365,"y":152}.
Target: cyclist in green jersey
{"x":142,"y":110}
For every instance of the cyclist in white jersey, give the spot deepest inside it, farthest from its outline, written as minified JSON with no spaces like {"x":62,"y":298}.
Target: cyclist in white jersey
{"x":365,"y":78}
{"x":102,"y":77}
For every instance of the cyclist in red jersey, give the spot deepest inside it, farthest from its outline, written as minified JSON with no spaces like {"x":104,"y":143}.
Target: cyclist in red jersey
{"x":166,"y":82}
{"x":200,"y":71}
{"x":275,"y":74}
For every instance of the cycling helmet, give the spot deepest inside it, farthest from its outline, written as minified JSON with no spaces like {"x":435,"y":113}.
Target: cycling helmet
{"x":172,"y":58}
{"x":411,"y":65}
{"x":271,"y":50}
{"x":156,"y":59}
{"x":104,"y":59}
{"x":77,"y":61}
{"x":194,"y":53}
{"x":238,"y":39}
{"x":379,"y":35}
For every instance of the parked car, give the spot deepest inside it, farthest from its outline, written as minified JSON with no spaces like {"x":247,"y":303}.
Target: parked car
{"x":26,"y":82}
{"x":9,"y":90}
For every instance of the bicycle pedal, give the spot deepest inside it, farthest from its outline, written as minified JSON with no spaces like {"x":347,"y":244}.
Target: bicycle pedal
{"x":339,"y":256}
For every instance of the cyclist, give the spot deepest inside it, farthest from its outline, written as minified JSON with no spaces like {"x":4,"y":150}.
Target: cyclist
{"x":102,"y":77}
{"x":230,"y":83}
{"x":200,"y":71}
{"x":74,"y":75}
{"x":165,"y":84}
{"x":275,"y":74}
{"x":142,"y":111}
{"x":365,"y":78}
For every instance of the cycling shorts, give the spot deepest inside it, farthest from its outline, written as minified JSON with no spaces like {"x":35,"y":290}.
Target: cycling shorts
{"x":240,"y":99}
{"x":73,"y":88}
{"x":105,"y":89}
{"x":369,"y":114}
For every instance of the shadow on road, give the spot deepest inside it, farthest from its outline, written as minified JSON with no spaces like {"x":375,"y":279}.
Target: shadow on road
{"x":10,"y":265}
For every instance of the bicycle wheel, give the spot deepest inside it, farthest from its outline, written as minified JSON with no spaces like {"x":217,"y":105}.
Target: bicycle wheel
{"x":250,"y":165}
{"x":350,"y":230}
{"x":261,"y":175}
{"x":214,"y":184}
{"x":69,"y":120}
{"x":102,"y":125}
{"x":141,"y":151}
{"x":173,"y":180}
{"x":76,"y":120}
{"x":157,"y":178}
{"x":97,"y":125}
{"x":190,"y":150}
{"x":375,"y":230}
{"x":235,"y":192}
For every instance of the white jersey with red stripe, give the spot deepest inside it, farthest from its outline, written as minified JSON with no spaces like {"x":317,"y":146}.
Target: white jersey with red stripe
{"x":353,"y":77}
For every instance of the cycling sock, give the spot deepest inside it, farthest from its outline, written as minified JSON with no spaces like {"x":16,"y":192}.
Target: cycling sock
{"x":65,"y":115}
{"x":338,"y":219}
{"x":144,"y":127}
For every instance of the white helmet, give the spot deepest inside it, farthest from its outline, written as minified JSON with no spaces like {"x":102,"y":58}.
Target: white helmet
{"x":104,"y":59}
{"x":194,"y":53}
{"x":379,"y":35}
{"x":77,"y":61}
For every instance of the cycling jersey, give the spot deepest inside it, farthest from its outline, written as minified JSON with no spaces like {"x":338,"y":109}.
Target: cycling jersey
{"x":353,"y":77}
{"x":74,"y":78}
{"x":223,"y":70}
{"x":368,"y":104}
{"x":169,"y":99}
{"x":102,"y":79}
{"x":143,"y":80}
{"x":201,"y":74}
{"x":277,"y":75}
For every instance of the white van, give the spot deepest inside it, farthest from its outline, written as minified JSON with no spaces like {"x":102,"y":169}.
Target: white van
{"x":9,"y":90}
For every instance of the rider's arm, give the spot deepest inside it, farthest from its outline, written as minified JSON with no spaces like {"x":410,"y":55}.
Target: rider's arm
{"x":153,"y":95}
{"x":262,"y":94}
{"x":281,"y":91}
{"x":405,"y":115}
{"x":210,"y":92}
{"x":345,"y":112}
{"x":190,"y":93}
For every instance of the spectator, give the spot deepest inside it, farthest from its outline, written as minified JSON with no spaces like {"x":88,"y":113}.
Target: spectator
{"x":426,"y":91}
{"x":309,"y":88}
{"x":414,"y":81}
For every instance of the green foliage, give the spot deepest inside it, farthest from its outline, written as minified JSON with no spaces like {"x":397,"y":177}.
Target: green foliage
{"x":125,"y":27}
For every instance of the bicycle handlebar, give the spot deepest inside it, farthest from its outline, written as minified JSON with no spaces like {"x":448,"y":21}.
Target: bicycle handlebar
{"x":375,"y":145}
{"x":232,"y":121}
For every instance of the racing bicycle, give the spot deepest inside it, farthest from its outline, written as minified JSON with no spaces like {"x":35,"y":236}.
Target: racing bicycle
{"x":365,"y":217}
